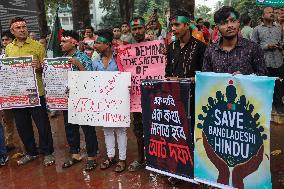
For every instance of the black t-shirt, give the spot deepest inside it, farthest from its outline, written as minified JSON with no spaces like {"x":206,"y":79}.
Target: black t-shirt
{"x":183,"y":62}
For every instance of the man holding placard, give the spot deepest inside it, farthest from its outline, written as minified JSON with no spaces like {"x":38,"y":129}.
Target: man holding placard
{"x":138,"y":32}
{"x":25,"y":46}
{"x":80,"y":62}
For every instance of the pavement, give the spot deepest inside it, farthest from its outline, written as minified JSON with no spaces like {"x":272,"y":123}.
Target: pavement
{"x":36,"y":176}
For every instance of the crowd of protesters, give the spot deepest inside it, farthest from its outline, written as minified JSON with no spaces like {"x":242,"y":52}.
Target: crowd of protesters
{"x":229,"y":46}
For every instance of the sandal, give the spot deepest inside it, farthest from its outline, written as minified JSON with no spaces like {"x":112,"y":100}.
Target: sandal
{"x":91,"y":165}
{"x":135,"y":166}
{"x":120,"y":166}
{"x":71,"y":162}
{"x":108,"y":163}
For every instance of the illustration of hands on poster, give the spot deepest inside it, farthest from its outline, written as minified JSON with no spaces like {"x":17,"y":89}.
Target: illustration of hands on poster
{"x":232,"y":130}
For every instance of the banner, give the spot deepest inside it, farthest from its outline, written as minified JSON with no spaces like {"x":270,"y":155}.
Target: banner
{"x":232,"y":133}
{"x":18,"y":85}
{"x":275,"y":3}
{"x":99,"y":98}
{"x":168,"y":136}
{"x":56,"y":82}
{"x":145,"y":61}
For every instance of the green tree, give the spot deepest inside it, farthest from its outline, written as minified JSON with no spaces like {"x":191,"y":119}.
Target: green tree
{"x":112,"y":16}
{"x":204,"y":12}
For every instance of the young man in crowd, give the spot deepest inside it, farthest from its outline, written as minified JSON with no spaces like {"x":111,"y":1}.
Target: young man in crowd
{"x":247,"y":29}
{"x":270,"y":37}
{"x":126,"y":35}
{"x":80,"y":62}
{"x":89,"y":40}
{"x":138,"y":32}
{"x":185,"y":57}
{"x":8,"y":115}
{"x":116,"y":37}
{"x":106,"y":61}
{"x":232,"y":53}
{"x":22,"y":45}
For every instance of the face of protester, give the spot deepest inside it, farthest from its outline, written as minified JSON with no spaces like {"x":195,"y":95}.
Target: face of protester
{"x":138,"y":32}
{"x":229,"y":28}
{"x":200,"y":23}
{"x":20,"y":32}
{"x":88,"y":33}
{"x":268,"y":14}
{"x":6,"y":40}
{"x":124,"y":28}
{"x":179,"y":29}
{"x":100,"y":47}
{"x":67,"y":45}
{"x":116,"y":33}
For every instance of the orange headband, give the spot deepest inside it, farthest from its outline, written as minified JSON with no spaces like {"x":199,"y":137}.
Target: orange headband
{"x":19,"y":23}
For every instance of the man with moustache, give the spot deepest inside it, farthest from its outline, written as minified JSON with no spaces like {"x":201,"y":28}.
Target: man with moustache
{"x":270,"y":37}
{"x":232,"y":53}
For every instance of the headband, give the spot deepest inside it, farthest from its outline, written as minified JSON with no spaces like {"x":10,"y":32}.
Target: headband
{"x":70,"y":39}
{"x":102,"y":39}
{"x":182,"y":19}
{"x":137,"y":22}
{"x":18,"y":23}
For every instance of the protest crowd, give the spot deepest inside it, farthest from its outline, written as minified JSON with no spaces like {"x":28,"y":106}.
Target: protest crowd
{"x":190,"y":46}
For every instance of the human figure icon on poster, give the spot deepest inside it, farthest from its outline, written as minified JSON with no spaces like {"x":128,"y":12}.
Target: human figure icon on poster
{"x":33,"y":96}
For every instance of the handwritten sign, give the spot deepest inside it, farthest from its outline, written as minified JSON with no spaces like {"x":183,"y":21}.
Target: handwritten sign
{"x":168,"y":136}
{"x":18,"y":85}
{"x":56,"y":82}
{"x":99,"y":98}
{"x":145,"y":61}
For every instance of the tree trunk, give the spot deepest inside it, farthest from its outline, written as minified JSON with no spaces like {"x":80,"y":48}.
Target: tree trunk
{"x":187,"y":5}
{"x":126,"y":9}
{"x":81,"y":14}
{"x":43,"y":28}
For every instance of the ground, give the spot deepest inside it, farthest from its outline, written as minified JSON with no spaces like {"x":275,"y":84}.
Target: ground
{"x":35,"y":176}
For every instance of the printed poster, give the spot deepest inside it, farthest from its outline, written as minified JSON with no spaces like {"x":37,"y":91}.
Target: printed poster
{"x":232,"y":132}
{"x":56,"y":82}
{"x":168,"y":134}
{"x":18,"y":85}
{"x":144,"y":60}
{"x":99,"y":98}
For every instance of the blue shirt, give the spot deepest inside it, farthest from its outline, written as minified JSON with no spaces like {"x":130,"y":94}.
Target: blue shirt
{"x":84,"y":59}
{"x":99,"y":66}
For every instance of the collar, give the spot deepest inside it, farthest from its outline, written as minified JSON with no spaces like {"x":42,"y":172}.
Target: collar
{"x":240,"y":43}
{"x":273,"y":24}
{"x":28,"y":41}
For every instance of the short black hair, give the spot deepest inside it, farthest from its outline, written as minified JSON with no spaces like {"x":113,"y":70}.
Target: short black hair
{"x":207,"y":24}
{"x":106,"y":33}
{"x":89,"y":27}
{"x":199,"y":20}
{"x":245,"y":19}
{"x":71,"y":33}
{"x":116,"y":27}
{"x":17,"y":19}
{"x":180,"y":12}
{"x":223,"y":13}
{"x":8,"y":34}
{"x":125,"y":23}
